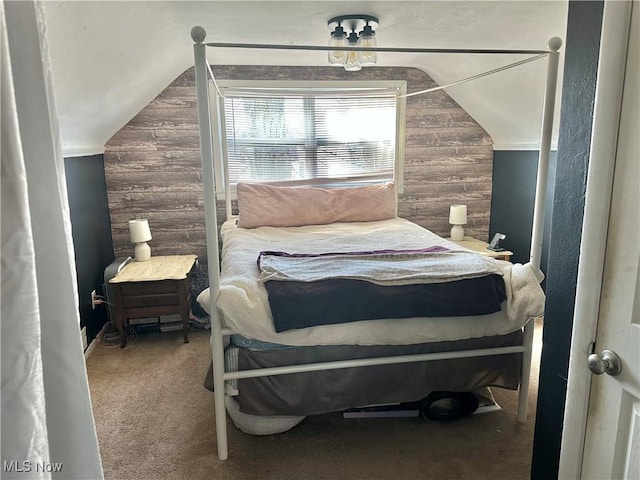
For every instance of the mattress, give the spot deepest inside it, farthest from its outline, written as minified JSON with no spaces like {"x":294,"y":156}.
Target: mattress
{"x":310,"y":393}
{"x":243,"y":300}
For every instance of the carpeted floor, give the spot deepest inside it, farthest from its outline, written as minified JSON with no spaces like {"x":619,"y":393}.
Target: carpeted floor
{"x":155,"y":420}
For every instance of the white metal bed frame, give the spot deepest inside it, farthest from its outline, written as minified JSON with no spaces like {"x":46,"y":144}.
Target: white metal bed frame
{"x":207,"y":125}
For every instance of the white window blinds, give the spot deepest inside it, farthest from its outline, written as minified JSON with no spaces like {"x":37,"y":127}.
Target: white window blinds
{"x":319,"y":135}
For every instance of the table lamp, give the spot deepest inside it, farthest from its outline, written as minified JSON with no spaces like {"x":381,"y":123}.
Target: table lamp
{"x":457,"y":218}
{"x":140,"y":234}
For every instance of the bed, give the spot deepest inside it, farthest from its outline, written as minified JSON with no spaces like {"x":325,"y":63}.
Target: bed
{"x":272,"y":371}
{"x":292,"y":292}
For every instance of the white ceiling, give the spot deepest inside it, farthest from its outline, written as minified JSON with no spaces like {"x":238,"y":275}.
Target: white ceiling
{"x":109,"y":59}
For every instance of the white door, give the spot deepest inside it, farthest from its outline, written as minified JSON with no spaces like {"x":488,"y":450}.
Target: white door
{"x":612,"y":439}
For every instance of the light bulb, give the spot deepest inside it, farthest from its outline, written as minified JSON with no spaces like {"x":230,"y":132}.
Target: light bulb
{"x":367,"y":40}
{"x":353,"y":59}
{"x":338,"y":39}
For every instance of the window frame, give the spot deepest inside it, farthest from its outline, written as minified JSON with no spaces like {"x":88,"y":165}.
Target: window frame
{"x":222,"y":182}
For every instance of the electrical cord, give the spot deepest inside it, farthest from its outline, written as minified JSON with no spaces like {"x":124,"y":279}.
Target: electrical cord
{"x":99,"y":300}
{"x":111,"y":338}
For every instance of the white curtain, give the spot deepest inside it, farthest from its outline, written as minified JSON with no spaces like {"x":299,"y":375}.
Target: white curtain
{"x":48,"y":429}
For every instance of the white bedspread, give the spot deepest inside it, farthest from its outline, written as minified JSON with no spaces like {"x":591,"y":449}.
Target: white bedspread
{"x":244,"y":306}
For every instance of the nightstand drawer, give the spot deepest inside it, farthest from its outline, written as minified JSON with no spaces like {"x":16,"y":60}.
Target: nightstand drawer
{"x":149,"y":288}
{"x":151,"y":300}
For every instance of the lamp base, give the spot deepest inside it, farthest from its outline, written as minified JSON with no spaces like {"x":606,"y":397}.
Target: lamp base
{"x":457,"y":233}
{"x":142,"y":252}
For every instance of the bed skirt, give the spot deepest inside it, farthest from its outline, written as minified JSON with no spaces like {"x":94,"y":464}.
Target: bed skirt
{"x":326,"y":391}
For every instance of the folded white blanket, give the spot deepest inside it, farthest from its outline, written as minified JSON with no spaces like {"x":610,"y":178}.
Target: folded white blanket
{"x":525,"y":297}
{"x":243,"y":301}
{"x":398,"y":268}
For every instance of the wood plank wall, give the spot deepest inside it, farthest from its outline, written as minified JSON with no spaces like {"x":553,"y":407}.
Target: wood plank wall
{"x":152,"y":165}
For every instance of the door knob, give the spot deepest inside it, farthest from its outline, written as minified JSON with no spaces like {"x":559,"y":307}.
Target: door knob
{"x":606,"y":362}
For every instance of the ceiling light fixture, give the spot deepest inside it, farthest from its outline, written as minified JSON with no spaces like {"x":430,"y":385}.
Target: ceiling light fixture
{"x":362,"y":36}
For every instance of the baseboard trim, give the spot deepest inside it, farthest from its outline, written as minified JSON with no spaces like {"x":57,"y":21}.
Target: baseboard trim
{"x":92,"y":345}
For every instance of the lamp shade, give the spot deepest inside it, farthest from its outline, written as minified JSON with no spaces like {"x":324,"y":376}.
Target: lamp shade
{"x":458,"y":215}
{"x":139,"y":230}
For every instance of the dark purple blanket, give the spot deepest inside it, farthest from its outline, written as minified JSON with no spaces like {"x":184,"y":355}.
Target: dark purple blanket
{"x":296,"y":305}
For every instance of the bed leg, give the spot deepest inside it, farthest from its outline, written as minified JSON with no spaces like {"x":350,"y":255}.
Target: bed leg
{"x":217,"y":351}
{"x":525,"y":373}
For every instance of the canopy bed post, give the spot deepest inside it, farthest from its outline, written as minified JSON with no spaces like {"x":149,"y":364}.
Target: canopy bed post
{"x":545,"y":148}
{"x":539,"y":210}
{"x":223,"y":160}
{"x":198,"y":34}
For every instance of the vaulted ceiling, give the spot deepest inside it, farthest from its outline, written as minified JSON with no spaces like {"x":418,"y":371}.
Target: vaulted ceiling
{"x":109,"y":59}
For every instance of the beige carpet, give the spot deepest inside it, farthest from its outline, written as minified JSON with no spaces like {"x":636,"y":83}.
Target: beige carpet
{"x":155,"y":420}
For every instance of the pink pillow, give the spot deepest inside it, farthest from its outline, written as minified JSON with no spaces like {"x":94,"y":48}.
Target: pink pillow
{"x":266,"y":205}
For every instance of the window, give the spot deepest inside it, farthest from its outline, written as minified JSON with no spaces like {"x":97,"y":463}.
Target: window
{"x":320,"y":134}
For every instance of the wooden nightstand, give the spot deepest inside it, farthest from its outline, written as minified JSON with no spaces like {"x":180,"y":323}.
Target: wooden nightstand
{"x":159,"y":286}
{"x":481,"y":247}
